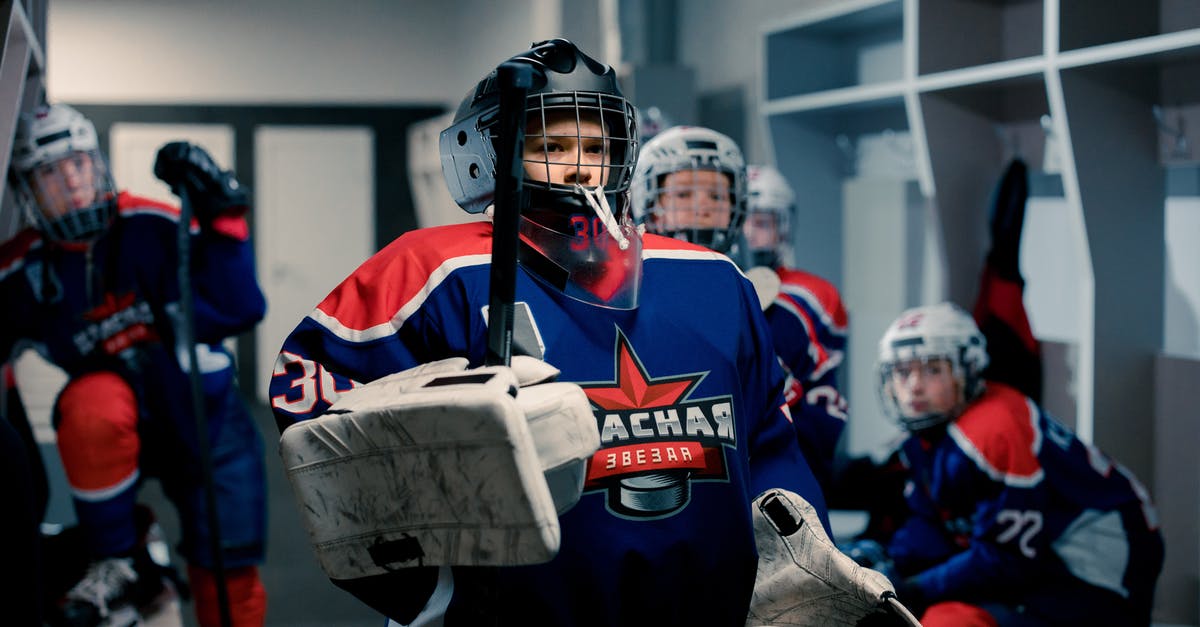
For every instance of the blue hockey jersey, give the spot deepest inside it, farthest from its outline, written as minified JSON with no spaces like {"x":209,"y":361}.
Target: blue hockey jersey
{"x":808,"y":325}
{"x":114,"y":306}
{"x":1009,"y":505}
{"x":696,"y":349}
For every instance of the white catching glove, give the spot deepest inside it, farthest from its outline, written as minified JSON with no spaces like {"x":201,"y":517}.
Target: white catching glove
{"x":563,"y":426}
{"x":439,"y":465}
{"x":803,"y":579}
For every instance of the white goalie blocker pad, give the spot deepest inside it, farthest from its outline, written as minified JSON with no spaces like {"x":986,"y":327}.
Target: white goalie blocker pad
{"x":438,"y":465}
{"x":803,"y":579}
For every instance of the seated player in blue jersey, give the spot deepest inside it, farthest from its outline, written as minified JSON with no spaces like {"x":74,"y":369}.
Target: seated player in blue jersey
{"x":674,"y":481}
{"x":1013,"y":520}
{"x":94,"y":287}
{"x":691,"y":185}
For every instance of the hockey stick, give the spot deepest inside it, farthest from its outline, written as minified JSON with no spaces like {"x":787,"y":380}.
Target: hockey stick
{"x":187,"y":337}
{"x":514,"y":79}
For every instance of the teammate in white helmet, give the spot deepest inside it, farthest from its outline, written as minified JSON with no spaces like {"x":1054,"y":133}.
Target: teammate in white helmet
{"x":93,"y":285}
{"x":1013,"y":520}
{"x":690,"y":184}
{"x":807,"y":317}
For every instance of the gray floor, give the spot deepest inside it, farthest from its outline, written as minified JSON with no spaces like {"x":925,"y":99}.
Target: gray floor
{"x":298,"y":594}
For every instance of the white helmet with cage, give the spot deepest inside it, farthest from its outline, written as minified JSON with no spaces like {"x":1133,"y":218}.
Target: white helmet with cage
{"x":933,"y":332}
{"x":770,"y":203}
{"x":63,"y":180}
{"x":693,"y":206}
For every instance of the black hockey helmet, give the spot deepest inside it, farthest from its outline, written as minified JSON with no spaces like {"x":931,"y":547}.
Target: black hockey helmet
{"x":579,"y":223}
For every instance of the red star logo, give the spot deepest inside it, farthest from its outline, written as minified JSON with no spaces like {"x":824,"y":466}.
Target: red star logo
{"x":634,"y":389}
{"x":111,"y":305}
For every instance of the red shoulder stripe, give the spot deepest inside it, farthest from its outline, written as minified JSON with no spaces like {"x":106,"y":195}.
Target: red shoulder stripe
{"x":384,"y":291}
{"x":819,"y":294}
{"x":12,"y":252}
{"x":131,"y":205}
{"x":1000,"y":433}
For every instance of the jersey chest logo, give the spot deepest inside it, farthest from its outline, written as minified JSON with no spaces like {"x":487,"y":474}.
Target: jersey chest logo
{"x":655,"y":440}
{"x":117,"y":323}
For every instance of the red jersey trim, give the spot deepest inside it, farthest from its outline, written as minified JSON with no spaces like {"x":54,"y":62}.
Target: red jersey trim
{"x":1000,"y":433}
{"x":377,"y":299}
{"x":381,"y":294}
{"x":130,"y":205}
{"x":12,"y":253}
{"x":820,"y":295}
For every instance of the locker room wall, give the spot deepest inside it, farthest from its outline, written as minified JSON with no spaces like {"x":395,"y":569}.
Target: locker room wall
{"x":275,"y":51}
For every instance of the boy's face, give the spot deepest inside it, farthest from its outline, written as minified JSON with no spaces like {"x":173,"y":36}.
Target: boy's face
{"x":566,"y":151}
{"x":64,"y":186}
{"x":693,"y":199}
{"x":761,"y":230}
{"x":923,"y":387}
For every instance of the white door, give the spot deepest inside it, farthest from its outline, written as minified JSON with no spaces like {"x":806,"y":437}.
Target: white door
{"x":314,"y":198}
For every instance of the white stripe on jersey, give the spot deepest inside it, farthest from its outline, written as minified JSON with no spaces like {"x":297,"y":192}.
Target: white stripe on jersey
{"x":814,"y":303}
{"x":407,"y":309}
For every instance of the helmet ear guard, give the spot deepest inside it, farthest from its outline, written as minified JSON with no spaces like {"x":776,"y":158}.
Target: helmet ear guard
{"x":941,"y":331}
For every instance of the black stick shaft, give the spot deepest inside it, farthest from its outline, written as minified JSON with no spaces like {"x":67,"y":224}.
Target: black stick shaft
{"x":514,"y":79}
{"x":187,"y":336}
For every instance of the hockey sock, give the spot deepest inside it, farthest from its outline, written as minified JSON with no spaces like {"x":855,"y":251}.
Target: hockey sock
{"x":96,"y":418}
{"x":956,"y":614}
{"x":247,"y":596}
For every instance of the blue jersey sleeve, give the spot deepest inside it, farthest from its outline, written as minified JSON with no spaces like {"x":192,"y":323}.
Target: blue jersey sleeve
{"x":228,"y":299}
{"x":776,"y":459}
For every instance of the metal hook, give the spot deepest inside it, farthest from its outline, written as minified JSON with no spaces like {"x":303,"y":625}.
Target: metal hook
{"x":1180,"y":148}
{"x":849,"y":153}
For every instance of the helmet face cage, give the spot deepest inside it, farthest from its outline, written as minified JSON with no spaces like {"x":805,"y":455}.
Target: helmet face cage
{"x":64,"y":183}
{"x":770,"y":204}
{"x":579,"y":138}
{"x":927,"y":334}
{"x":690,"y":184}
{"x":568,"y":85}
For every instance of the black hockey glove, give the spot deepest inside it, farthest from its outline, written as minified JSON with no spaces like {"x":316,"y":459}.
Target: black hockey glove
{"x":212,"y":191}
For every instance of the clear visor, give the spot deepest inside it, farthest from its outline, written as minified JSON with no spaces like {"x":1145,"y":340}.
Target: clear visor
{"x":592,"y":265}
{"x":696,"y":205}
{"x":72,"y":198}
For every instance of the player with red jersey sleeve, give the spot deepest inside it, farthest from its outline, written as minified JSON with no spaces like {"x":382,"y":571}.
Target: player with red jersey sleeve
{"x":691,"y":185}
{"x":807,"y":316}
{"x":94,"y":287}
{"x":1014,"y":520}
